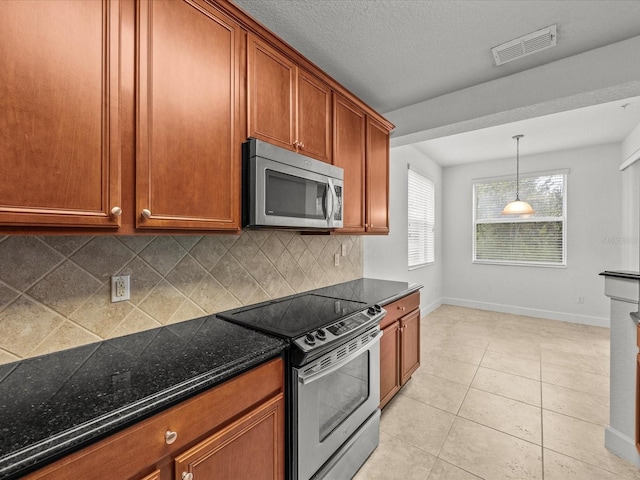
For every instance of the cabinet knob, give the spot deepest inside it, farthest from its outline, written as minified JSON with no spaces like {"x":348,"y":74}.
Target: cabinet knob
{"x":116,"y":211}
{"x":146,"y":213}
{"x":170,"y":437}
{"x":187,"y":476}
{"x":402,"y":309}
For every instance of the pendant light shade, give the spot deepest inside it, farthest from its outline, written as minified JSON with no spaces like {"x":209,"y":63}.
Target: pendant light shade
{"x":517,"y":207}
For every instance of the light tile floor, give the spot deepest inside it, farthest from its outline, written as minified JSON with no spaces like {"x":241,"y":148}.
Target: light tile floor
{"x":500,"y":396}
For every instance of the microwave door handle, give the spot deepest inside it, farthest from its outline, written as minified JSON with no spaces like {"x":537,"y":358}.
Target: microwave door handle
{"x":329,"y":201}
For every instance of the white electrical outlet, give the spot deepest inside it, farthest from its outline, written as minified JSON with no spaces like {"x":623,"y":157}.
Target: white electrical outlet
{"x":579,"y":299}
{"x":120,"y":290}
{"x":344,"y":250}
{"x":336,"y":260}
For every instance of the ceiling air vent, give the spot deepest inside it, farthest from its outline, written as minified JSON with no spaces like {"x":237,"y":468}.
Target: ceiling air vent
{"x":523,"y":46}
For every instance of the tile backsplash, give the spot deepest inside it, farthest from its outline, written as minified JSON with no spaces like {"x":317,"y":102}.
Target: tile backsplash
{"x":55,"y":290}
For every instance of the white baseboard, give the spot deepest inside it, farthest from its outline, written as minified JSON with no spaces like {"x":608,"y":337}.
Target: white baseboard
{"x":531,"y":312}
{"x":621,"y":445}
{"x":426,"y":310}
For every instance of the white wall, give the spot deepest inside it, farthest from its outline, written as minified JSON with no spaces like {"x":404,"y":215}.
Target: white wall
{"x":631,"y":201}
{"x":386,"y":256}
{"x":593,"y":240}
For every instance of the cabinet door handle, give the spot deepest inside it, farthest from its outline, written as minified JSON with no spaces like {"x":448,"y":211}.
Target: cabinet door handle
{"x":146,"y":213}
{"x":187,"y":476}
{"x":170,"y":437}
{"x":116,"y":211}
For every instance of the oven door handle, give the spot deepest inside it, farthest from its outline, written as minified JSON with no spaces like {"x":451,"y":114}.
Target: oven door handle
{"x":310,"y":378}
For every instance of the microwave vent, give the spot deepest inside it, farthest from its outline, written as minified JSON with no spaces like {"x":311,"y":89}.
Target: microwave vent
{"x":526,"y":45}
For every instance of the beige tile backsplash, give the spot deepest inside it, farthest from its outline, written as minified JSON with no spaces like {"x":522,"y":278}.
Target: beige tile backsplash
{"x":55,"y":290}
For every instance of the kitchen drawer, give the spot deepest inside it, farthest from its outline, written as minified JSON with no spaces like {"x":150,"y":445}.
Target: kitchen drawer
{"x":638,"y":336}
{"x":135,"y":451}
{"x":399,"y":308}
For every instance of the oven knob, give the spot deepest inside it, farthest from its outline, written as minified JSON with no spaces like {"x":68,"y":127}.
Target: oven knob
{"x":378,"y":308}
{"x":310,"y":339}
{"x":371,"y":310}
{"x":321,"y":335}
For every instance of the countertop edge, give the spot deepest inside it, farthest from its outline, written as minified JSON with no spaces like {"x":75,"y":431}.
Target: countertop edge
{"x":91,"y":432}
{"x":412,"y":289}
{"x":620,"y":274}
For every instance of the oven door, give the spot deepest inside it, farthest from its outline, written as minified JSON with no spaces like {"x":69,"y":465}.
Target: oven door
{"x":333,"y":397}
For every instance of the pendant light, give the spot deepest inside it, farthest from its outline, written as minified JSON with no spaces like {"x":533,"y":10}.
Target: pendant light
{"x":517,"y":207}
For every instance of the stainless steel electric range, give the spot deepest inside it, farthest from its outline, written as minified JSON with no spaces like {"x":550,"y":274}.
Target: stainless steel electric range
{"x":333,"y":379}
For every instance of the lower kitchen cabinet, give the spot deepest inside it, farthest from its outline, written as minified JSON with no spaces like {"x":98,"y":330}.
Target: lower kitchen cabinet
{"x":242,"y":450}
{"x":389,"y":354}
{"x":234,"y":430}
{"x":153,"y":476}
{"x":399,"y":346}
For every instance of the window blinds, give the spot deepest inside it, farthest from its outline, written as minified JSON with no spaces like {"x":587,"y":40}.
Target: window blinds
{"x":537,"y":239}
{"x":422,"y":219}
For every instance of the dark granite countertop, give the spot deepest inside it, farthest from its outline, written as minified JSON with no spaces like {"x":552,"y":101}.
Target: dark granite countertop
{"x":621,"y":274}
{"x":55,"y":404}
{"x":370,"y":290}
{"x":58,"y":403}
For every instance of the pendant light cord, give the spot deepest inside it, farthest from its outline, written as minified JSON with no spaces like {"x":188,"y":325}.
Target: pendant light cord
{"x":517,"y":137}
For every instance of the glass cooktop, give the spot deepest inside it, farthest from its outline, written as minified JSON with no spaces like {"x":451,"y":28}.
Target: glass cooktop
{"x":292,"y":317}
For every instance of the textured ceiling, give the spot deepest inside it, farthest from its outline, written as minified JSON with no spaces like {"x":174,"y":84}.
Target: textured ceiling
{"x":595,"y":125}
{"x":394,"y":53}
{"x":427,"y":65}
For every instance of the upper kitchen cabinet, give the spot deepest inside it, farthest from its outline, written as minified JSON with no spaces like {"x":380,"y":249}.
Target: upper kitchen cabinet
{"x":189,"y":110}
{"x":59,"y":101}
{"x":287,"y":106}
{"x":377,"y":177}
{"x":361,"y":148}
{"x":349,"y":126}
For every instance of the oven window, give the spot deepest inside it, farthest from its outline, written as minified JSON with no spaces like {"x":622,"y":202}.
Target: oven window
{"x":341,"y":393}
{"x":291,"y":196}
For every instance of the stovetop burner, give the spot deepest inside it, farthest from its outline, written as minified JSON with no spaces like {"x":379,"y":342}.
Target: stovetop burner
{"x":291,"y":317}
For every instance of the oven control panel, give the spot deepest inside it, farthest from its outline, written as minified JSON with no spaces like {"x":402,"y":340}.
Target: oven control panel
{"x":325,"y":335}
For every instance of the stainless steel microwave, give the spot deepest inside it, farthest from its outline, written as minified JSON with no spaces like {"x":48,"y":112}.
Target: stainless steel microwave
{"x":284,"y":189}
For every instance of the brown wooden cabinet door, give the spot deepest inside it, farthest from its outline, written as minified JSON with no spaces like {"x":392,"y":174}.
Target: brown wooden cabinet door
{"x":251,"y":447}
{"x":409,"y":345}
{"x":152,"y":476}
{"x":189,"y":134}
{"x":314,"y":117}
{"x":271,"y":94}
{"x":389,"y":363}
{"x":349,"y":126}
{"x":59,"y":101}
{"x":377,"y":177}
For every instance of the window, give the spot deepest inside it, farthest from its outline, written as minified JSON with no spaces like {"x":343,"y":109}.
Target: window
{"x":422,"y":219}
{"x":537,"y":239}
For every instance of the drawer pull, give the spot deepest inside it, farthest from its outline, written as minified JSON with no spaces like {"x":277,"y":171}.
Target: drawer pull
{"x":402,"y":309}
{"x":187,"y":476}
{"x":170,"y":437}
